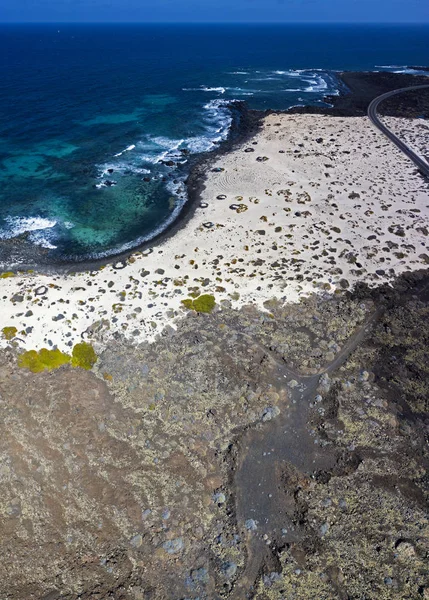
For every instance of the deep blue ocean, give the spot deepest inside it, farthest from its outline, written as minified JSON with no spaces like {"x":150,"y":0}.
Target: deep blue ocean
{"x":90,"y":114}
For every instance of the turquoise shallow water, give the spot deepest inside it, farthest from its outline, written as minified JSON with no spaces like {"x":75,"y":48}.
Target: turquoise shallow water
{"x":89,"y":115}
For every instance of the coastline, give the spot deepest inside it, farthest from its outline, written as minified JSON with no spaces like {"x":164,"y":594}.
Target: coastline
{"x":309,"y":204}
{"x":233,"y":454}
{"x":242,"y":129}
{"x":357,"y":89}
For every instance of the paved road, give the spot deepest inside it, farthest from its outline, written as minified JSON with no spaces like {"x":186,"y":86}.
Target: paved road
{"x":420,"y":162}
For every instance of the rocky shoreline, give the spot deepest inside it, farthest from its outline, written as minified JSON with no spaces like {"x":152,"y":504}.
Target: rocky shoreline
{"x":357,"y":91}
{"x":362,"y":87}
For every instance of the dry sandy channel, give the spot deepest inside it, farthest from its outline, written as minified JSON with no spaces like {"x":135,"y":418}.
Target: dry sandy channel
{"x":310,"y":204}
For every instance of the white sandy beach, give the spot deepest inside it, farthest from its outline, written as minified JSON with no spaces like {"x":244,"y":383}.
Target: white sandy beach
{"x":329,"y":202}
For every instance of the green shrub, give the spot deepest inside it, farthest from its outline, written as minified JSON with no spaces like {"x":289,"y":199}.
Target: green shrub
{"x":83,"y":356}
{"x":9,"y":332}
{"x":202,"y":304}
{"x":188,"y":303}
{"x":44,"y":360}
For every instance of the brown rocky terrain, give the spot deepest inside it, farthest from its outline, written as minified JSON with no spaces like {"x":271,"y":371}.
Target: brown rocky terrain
{"x":275,"y":455}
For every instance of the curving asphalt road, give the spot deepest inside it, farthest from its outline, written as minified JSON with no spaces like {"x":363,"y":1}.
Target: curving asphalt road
{"x":420,"y":162}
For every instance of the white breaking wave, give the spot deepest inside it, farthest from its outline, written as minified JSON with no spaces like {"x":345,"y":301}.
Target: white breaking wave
{"x":19,"y":225}
{"x":105,"y":170}
{"x":400,"y":69}
{"x":221,"y":90}
{"x":389,"y":66}
{"x":409,"y":71}
{"x":199,"y":144}
{"x":217,"y":120}
{"x":290,"y":72}
{"x":301,"y":80}
{"x":317,"y":84}
{"x":40,"y":238}
{"x":203,"y":88}
{"x":36,"y":227}
{"x":218,"y":111}
{"x":244,"y":91}
{"x":126,"y":150}
{"x":171,"y":148}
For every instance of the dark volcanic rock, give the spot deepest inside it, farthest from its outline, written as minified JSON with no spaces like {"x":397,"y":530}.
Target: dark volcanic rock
{"x":359,"y":88}
{"x":165,"y":474}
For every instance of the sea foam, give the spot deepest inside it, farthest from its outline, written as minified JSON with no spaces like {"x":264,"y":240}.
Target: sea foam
{"x":126,"y":150}
{"x":36,"y":227}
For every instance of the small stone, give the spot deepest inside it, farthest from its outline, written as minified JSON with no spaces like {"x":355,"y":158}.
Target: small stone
{"x":59,"y":317}
{"x":173,"y":546}
{"x":229,"y":569}
{"x":251,"y":525}
{"x":270,"y":413}
{"x":136,"y":541}
{"x":219,"y":498}
{"x":405,"y":550}
{"x":200,"y":575}
{"x":292,"y":383}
